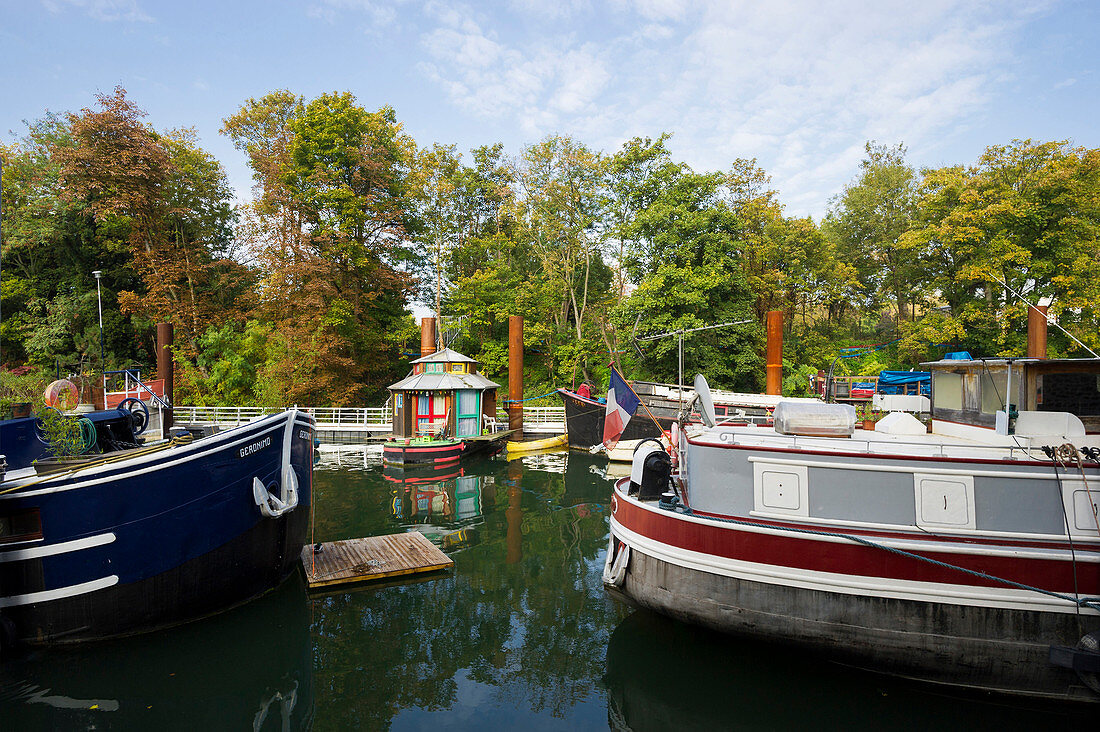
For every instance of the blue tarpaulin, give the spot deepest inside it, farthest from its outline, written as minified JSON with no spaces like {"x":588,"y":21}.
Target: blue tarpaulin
{"x":893,"y":382}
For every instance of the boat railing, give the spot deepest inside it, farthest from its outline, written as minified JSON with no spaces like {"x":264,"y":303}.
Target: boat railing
{"x":1022,"y":451}
{"x":140,"y":390}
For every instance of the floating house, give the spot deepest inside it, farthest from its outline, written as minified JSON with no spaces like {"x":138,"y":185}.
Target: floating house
{"x":444,"y":400}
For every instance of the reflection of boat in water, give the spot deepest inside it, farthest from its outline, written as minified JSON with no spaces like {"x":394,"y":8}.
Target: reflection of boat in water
{"x":664,"y":675}
{"x":248,"y":668}
{"x":969,"y":556}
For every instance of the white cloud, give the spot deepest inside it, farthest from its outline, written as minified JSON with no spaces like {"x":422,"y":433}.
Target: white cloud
{"x":798,"y":84}
{"x":105,"y":10}
{"x":1065,"y":82}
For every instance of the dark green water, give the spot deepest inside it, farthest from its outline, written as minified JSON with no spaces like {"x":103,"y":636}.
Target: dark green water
{"x":519,"y":636}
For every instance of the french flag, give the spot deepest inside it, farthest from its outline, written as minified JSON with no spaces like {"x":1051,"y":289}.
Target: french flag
{"x":622,"y":403}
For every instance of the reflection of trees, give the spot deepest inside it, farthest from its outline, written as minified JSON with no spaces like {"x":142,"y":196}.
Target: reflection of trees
{"x":536,"y":630}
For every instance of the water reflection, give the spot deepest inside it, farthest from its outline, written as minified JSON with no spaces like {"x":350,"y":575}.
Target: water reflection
{"x":516,"y":635}
{"x":248,"y":668}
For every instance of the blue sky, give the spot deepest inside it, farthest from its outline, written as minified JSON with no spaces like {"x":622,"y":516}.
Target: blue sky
{"x":799,"y":85}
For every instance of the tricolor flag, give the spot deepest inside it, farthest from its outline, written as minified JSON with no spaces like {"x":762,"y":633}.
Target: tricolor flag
{"x":622,"y":403}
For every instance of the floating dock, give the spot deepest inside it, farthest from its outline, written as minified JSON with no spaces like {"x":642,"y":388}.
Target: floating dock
{"x":372,"y":558}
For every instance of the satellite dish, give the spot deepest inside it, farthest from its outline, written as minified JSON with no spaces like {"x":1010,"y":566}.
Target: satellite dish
{"x":706,"y":403}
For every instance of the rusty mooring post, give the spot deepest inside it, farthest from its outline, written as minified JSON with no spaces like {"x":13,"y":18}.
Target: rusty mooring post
{"x":773,"y":383}
{"x":1037,"y":331}
{"x":427,"y":337}
{"x":515,"y":375}
{"x":166,"y":371}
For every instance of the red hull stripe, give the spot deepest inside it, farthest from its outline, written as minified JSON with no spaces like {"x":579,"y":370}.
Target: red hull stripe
{"x":422,"y":450}
{"x":810,"y":553}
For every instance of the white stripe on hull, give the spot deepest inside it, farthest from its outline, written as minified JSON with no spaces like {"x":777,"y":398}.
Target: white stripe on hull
{"x":48,"y":550}
{"x":885,"y":587}
{"x":60,"y":593}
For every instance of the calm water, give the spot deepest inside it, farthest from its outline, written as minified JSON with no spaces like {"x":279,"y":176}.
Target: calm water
{"x":519,"y":635}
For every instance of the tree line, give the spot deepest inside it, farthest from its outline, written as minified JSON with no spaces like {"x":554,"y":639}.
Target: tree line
{"x":303,"y":294}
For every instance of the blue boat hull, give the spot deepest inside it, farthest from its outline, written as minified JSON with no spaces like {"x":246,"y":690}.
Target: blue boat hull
{"x":159,"y":539}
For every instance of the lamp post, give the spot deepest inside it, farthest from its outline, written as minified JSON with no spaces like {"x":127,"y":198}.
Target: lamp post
{"x":99,"y":296}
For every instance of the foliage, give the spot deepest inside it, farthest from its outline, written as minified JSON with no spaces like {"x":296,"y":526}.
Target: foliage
{"x":303,"y":294}
{"x":61,"y":432}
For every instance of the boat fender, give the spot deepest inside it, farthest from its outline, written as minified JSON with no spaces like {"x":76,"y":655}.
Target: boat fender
{"x":1084,"y":658}
{"x":1090,"y":644}
{"x":674,"y":442}
{"x":616,"y":563}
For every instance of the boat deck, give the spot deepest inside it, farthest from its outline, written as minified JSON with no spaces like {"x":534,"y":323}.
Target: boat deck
{"x":372,"y":558}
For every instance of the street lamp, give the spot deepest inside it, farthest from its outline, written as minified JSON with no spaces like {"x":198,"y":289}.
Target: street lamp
{"x":99,"y":296}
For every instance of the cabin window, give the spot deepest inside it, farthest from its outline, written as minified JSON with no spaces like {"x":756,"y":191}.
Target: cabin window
{"x":458,"y":368}
{"x":469,"y":415}
{"x":1075,"y":393}
{"x":947,"y":390}
{"x":435,"y":368}
{"x":995,"y":391}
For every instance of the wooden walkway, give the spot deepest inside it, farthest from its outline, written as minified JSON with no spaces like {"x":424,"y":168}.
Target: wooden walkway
{"x":372,"y":558}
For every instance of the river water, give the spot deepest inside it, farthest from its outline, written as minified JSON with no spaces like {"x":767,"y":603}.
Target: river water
{"x":520,"y":635}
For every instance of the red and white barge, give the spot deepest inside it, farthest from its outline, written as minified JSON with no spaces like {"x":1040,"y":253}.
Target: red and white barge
{"x":968,"y":556}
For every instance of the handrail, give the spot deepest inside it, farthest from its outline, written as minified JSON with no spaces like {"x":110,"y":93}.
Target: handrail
{"x":137,"y":379}
{"x":379,"y":417}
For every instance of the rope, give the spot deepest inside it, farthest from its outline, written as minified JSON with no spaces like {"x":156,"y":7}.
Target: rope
{"x":114,"y":458}
{"x":87,"y":434}
{"x":517,"y":401}
{"x":1089,"y":602}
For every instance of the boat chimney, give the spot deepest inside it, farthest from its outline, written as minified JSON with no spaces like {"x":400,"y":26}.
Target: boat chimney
{"x":427,"y":337}
{"x":166,"y":371}
{"x":1037,"y":331}
{"x":773,"y":383}
{"x":515,"y":375}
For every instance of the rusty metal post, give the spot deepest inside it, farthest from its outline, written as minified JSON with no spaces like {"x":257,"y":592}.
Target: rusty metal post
{"x":166,"y":369}
{"x":1037,"y":331}
{"x":774,"y":358}
{"x":515,"y":374}
{"x":427,"y":337}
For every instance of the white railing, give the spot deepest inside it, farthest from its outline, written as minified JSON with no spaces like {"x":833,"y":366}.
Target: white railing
{"x":348,"y":417}
{"x":537,"y":415}
{"x":326,"y":416}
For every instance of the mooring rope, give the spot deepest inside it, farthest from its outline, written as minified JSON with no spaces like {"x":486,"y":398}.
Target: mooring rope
{"x":517,"y":401}
{"x":1090,"y":602}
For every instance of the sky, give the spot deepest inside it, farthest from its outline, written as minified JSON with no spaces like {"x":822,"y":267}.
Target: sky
{"x":799,"y":85}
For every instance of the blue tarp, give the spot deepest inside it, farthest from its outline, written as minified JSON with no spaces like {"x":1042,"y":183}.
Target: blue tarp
{"x":893,"y":382}
{"x":958,"y":356}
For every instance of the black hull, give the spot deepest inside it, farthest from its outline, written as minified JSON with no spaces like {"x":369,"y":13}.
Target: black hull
{"x":989,"y":649}
{"x":584,"y":422}
{"x":244,"y":568}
